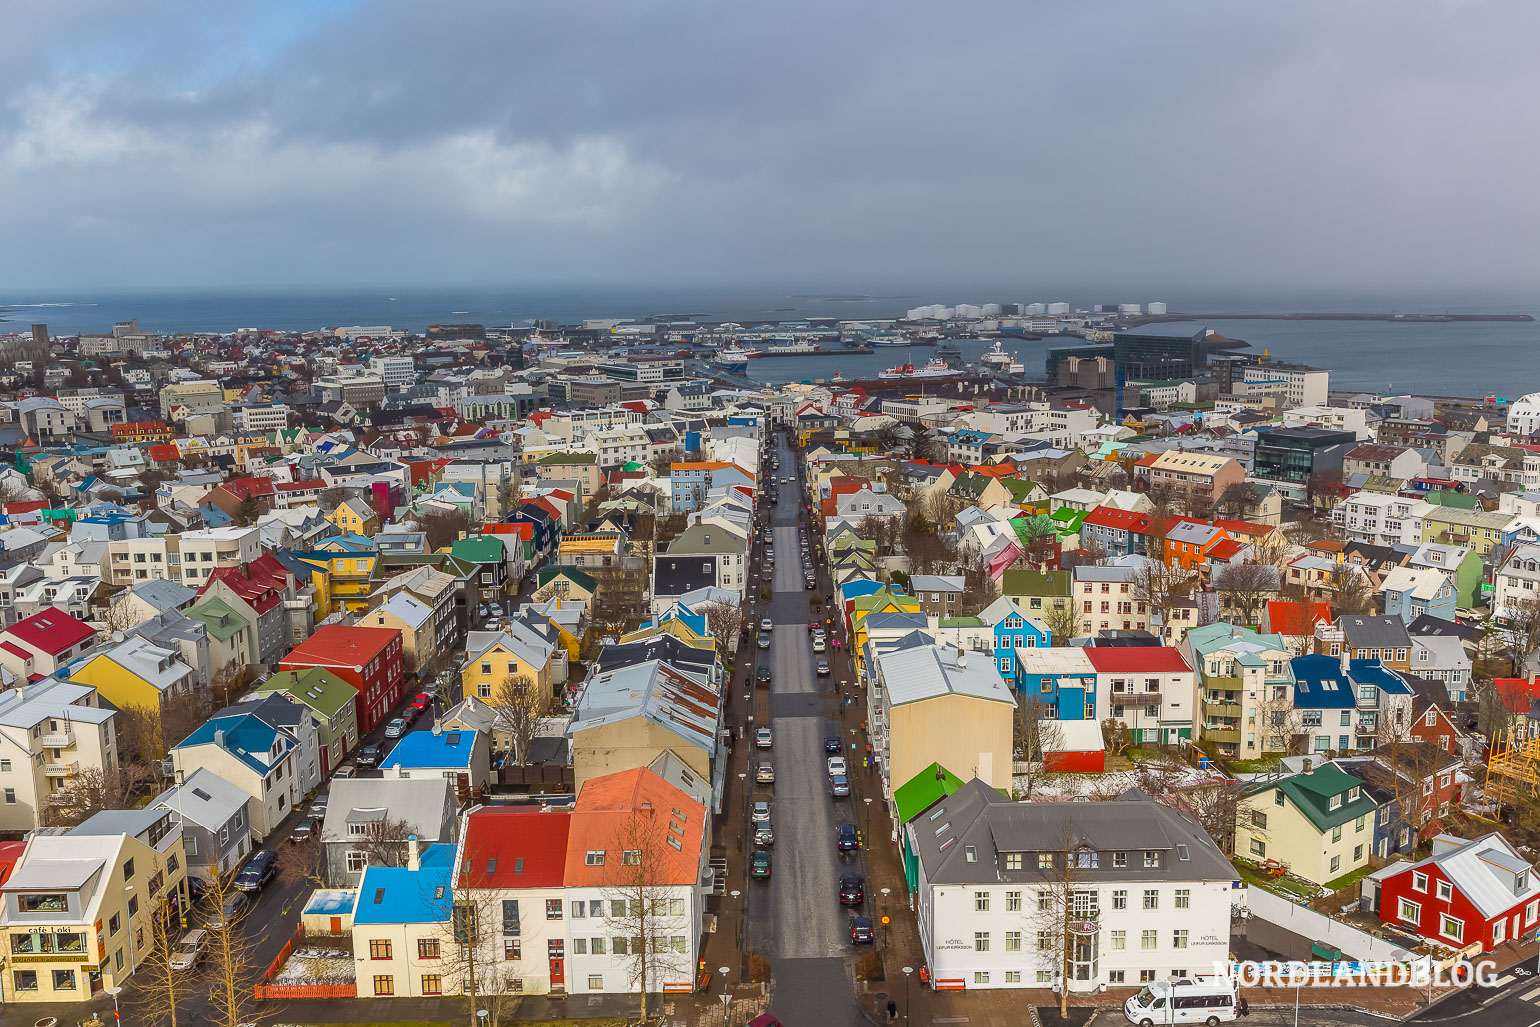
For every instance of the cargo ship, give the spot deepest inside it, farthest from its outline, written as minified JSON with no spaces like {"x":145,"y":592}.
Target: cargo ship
{"x":789,"y":348}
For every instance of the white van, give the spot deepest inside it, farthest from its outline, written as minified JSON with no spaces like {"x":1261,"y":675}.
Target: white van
{"x":1206,"y":1000}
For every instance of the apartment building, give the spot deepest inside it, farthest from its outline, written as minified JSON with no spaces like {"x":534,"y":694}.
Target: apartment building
{"x":204,"y":550}
{"x":50,"y":731}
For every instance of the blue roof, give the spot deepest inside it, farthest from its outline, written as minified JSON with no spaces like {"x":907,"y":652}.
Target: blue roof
{"x":859,"y":587}
{"x":243,"y":735}
{"x":1320,"y":684}
{"x":396,"y":895}
{"x":1373,"y":672}
{"x":430,"y":751}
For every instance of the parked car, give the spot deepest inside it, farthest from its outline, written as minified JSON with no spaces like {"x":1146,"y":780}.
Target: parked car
{"x":318,"y":806}
{"x":763,"y":835}
{"x":852,"y":889}
{"x":230,"y":911}
{"x":845,"y":838}
{"x":346,"y":770}
{"x":759,"y":863}
{"x":764,"y":1020}
{"x":195,"y":888}
{"x":765,"y":624}
{"x":396,"y":728}
{"x":813,"y":627}
{"x":494,"y":609}
{"x":809,"y":583}
{"x":481,"y":610}
{"x":760,"y":813}
{"x":421,"y":701}
{"x":764,"y":640}
{"x":819,"y":645}
{"x":765,"y":773}
{"x":837,"y":766}
{"x":831,"y":743}
{"x":763,"y":674}
{"x":368,"y":756}
{"x":762,"y":738}
{"x":839,"y":786}
{"x":823,"y":668}
{"x":189,"y":951}
{"x":304,"y":829}
{"x":259,"y":870}
{"x":861,"y":932}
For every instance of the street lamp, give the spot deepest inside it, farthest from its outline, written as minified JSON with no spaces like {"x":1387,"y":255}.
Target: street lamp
{"x":885,"y":893}
{"x":481,"y":1014}
{"x":727,"y":996}
{"x":132,"y":969}
{"x":867,"y":802}
{"x":907,"y":971}
{"x":115,"y":991}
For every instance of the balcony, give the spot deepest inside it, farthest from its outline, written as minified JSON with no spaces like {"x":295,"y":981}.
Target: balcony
{"x":1223,"y":736}
{"x":58,"y":739}
{"x":1218,"y":684}
{"x":62,"y":769}
{"x":1223,"y":709}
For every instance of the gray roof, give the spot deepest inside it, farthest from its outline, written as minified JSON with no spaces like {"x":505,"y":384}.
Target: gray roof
{"x":204,"y":798}
{"x":980,"y":818}
{"x":421,"y":802}
{"x":1367,"y":631}
{"x":164,"y":595}
{"x":935,"y":583}
{"x":913,"y":675}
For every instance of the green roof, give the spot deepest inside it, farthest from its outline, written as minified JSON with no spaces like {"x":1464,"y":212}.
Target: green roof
{"x":1312,"y":793}
{"x":221,"y":619}
{"x":960,"y":622}
{"x":570,"y":458}
{"x":315,"y":687}
{"x":1023,"y":582}
{"x":1019,"y":488}
{"x":924,"y":790}
{"x":1445,"y":497}
{"x":478,"y":549}
{"x":587,"y":581}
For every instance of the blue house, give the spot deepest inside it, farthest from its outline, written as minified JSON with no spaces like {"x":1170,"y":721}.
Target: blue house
{"x":1000,"y":629}
{"x":1410,"y":592}
{"x":461,"y":755}
{"x":393,"y":908}
{"x":1062,"y":679}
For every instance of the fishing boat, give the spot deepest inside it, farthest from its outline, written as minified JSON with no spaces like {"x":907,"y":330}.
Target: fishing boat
{"x":999,"y":360}
{"x":932,"y":369}
{"x":789,"y":348}
{"x":734,"y":358}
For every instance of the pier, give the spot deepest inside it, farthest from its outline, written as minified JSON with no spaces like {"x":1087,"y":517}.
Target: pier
{"x":1135,"y":320}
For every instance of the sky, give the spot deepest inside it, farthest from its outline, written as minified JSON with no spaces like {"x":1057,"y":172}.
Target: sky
{"x":1171,"y":145}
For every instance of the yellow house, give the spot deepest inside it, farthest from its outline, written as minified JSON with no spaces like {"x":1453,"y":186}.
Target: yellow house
{"x":414,"y":619}
{"x":882,"y":601}
{"x":1319,"y":824}
{"x":492,"y":656}
{"x":136,"y":673}
{"x":355,"y":517}
{"x":566,"y":617}
{"x":341,"y":570}
{"x":672,"y":625}
{"x":1479,"y":530}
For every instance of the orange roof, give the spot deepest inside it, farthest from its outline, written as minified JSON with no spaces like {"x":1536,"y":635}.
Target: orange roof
{"x":1243,"y":527}
{"x":1289,"y":617}
{"x":617,"y":806}
{"x":996,"y":471}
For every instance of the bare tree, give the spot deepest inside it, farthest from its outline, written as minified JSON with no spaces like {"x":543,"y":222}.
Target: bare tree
{"x":725,"y":622}
{"x":928,"y":552}
{"x":1037,"y":735}
{"x":1160,"y":587}
{"x":518,"y":704}
{"x":95,"y":789}
{"x":979,"y":590}
{"x":1061,"y":620}
{"x":1215,"y":805}
{"x":1059,"y":907}
{"x":443,"y":527}
{"x":1244,"y":588}
{"x":232,"y":971}
{"x":303,"y":862}
{"x":158,"y":985}
{"x":149,"y":732}
{"x":643,"y":911}
{"x":1279,"y":728}
{"x":480,"y":927}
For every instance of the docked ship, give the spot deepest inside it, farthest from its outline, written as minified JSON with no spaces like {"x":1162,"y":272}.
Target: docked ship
{"x":999,"y":360}
{"x":789,"y":348}
{"x":889,"y":339}
{"x":932,"y":369}
{"x":734,"y":358}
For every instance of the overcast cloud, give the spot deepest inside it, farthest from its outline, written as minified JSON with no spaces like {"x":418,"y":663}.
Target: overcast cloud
{"x":1158,"y":145}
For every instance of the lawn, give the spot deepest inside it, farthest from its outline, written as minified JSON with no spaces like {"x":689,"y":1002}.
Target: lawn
{"x":1346,"y":880}
{"x":1289,"y":887}
{"x":1260,"y":766}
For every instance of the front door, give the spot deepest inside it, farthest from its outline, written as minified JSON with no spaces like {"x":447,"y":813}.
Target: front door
{"x":558,"y":979}
{"x":555,"y":950}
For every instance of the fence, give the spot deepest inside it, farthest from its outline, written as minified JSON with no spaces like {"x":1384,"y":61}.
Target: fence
{"x":1311,"y":926}
{"x":264,"y":990}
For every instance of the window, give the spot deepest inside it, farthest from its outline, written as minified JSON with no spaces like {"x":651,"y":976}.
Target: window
{"x":64,"y":980}
{"x":356,"y":861}
{"x":427,"y":948}
{"x":980,"y":941}
{"x":595,"y":982}
{"x":1013,"y":941}
{"x":1179,"y":939}
{"x":1044,"y":901}
{"x":579,"y":909}
{"x":1120,"y":859}
{"x":1013,"y":861}
{"x":595,"y":858}
{"x":1258,"y":847}
{"x":1013,"y":902}
{"x":1336,"y":863}
{"x":1120,"y":898}
{"x":1358,"y":853}
{"x":553,"y":909}
{"x":379,"y":948}
{"x":1419,"y":881}
{"x":1013,"y":977}
{"x":1045,"y":861}
{"x":24,"y":980}
{"x":1336,"y":833}
{"x":1147,"y":939}
{"x":1151,"y":859}
{"x":384,"y":984}
{"x":511,"y":917}
{"x":1045,"y":977}
{"x":580,"y":946}
{"x":1119,"y":941}
{"x":1445,"y":891}
{"x":981,"y":902}
{"x":1151,"y":898}
{"x":1451,"y":928}
{"x":1184,"y":898}
{"x":1044,"y":941}
{"x":513,"y":949}
{"x":432,"y":984}
{"x":1258,"y":820}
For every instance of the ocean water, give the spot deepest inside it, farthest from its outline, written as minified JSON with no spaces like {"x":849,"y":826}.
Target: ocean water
{"x":1462,"y":359}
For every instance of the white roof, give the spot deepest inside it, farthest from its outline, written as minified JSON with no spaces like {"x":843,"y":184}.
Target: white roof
{"x":409,"y":609}
{"x":1076,"y":736}
{"x":926,"y":672}
{"x":1060,"y":660}
{"x":1482,"y":869}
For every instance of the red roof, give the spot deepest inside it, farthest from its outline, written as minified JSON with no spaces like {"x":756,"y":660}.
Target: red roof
{"x":243,"y":487}
{"x":51,"y":631}
{"x":1517,"y":694}
{"x":1290,"y":617}
{"x":25,"y":506}
{"x":1136,"y":659}
{"x":1112,"y":517}
{"x":1225,"y":549}
{"x":15,"y":650}
{"x":164,"y":451}
{"x":10,"y":854}
{"x":514,"y":847}
{"x":1243,"y":527}
{"x":261,"y":583}
{"x":336,"y":646}
{"x":301,"y":486}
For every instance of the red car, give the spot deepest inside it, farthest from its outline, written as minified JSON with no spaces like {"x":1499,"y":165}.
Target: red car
{"x":420,"y":702}
{"x":813,"y":626}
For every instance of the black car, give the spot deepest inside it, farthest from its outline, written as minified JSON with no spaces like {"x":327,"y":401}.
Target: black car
{"x":852,"y":889}
{"x":861,"y":932}
{"x":845,"y":838}
{"x":831,"y":744}
{"x":763,"y":675}
{"x":259,"y":870}
{"x":369,"y":755}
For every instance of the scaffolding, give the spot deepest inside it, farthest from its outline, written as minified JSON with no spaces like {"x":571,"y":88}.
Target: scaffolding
{"x":1513,"y":768}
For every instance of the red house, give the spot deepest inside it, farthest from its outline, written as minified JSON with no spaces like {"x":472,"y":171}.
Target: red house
{"x":1476,"y":892}
{"x":369,"y":659}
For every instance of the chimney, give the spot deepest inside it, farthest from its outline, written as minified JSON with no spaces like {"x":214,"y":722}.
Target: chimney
{"x":219,"y":736}
{"x":412,"y":862}
{"x":21,"y":690}
{"x":1344,"y":660}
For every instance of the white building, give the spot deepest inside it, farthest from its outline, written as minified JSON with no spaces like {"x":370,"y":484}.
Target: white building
{"x":1058,"y":309}
{"x":204,"y":550}
{"x":1517,"y":584}
{"x":50,"y":732}
{"x":1381,"y":519}
{"x":1524,"y":416}
{"x":1134,"y":890}
{"x":1296,"y":386}
{"x":1157,"y":307}
{"x":398,"y":372}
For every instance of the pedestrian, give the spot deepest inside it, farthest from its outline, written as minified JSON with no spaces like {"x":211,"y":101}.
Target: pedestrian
{"x":892,"y":1010}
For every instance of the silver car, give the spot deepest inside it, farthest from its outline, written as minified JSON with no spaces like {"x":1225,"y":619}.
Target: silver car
{"x":189,"y":951}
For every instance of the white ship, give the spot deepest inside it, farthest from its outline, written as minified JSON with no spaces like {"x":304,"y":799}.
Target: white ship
{"x":933,"y":369}
{"x":999,"y":360}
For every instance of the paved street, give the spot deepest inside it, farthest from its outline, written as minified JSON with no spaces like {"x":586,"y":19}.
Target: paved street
{"x":1513,"y":1002}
